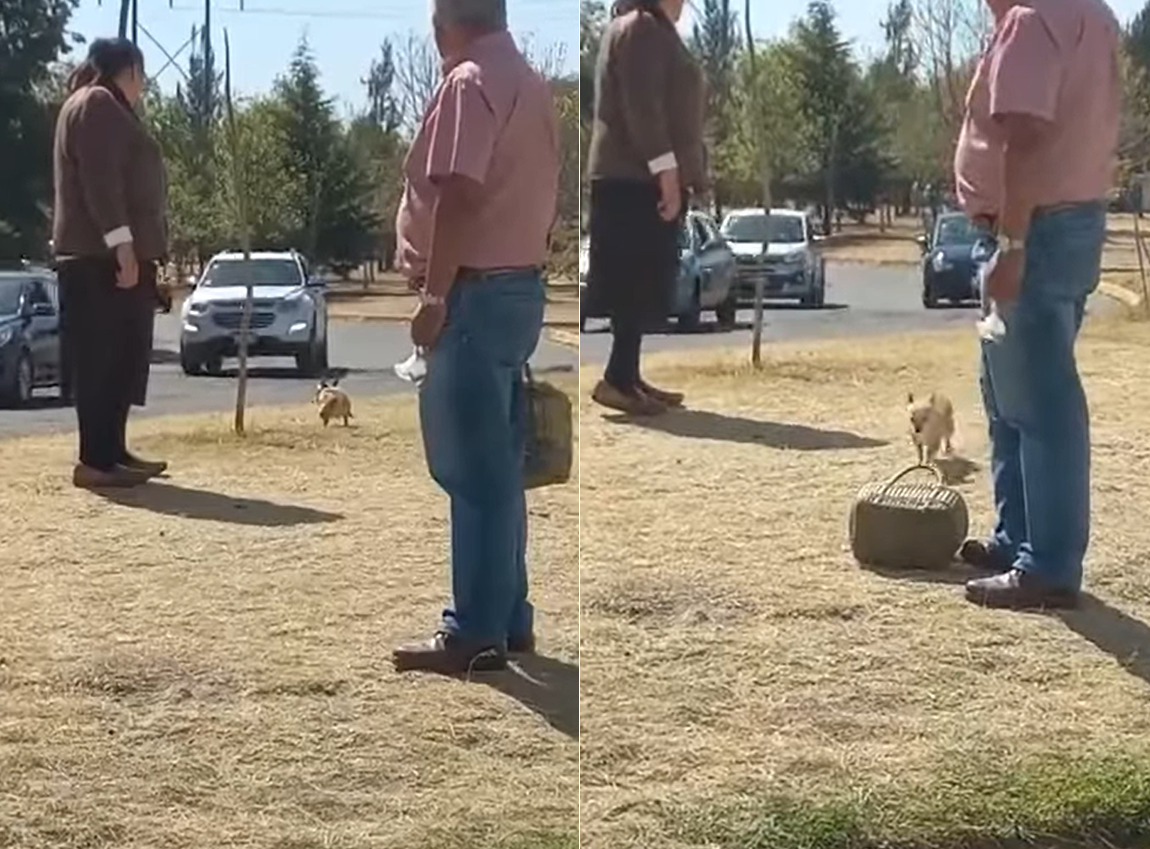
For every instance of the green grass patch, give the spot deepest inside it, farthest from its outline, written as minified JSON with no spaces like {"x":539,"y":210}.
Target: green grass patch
{"x":1054,"y":803}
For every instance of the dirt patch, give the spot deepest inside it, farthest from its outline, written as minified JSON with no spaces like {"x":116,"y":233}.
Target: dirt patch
{"x":804,"y":677}
{"x":205,"y":661}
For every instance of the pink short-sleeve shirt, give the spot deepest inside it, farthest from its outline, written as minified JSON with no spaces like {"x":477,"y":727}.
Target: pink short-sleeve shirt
{"x":492,"y":120}
{"x":1057,"y":61}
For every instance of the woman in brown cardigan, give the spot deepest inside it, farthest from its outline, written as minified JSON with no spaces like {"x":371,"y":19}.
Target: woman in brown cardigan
{"x":646,"y":155}
{"x":110,"y":232}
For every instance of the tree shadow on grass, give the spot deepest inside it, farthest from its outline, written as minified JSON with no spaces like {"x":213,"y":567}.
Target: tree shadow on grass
{"x":546,"y":686}
{"x":702,"y":424}
{"x":171,"y":500}
{"x":1118,"y":634}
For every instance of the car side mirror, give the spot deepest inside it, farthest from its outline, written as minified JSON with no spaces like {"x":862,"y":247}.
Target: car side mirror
{"x":191,"y":281}
{"x":42,"y":310}
{"x":316,"y":283}
{"x":923,"y":243}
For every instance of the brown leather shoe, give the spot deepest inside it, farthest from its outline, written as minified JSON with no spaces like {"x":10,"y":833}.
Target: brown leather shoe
{"x":633,"y":403}
{"x":979,"y":554}
{"x":86,"y":477}
{"x":521,"y":645}
{"x":151,"y":468}
{"x":670,"y":399}
{"x":1018,"y":590}
{"x":447,"y":654}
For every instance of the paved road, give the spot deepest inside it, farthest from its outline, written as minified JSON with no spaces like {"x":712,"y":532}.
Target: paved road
{"x":861,"y":301}
{"x":366,"y":350}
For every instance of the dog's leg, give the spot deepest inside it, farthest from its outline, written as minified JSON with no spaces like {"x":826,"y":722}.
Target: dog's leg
{"x":345,"y":421}
{"x":921,"y":452}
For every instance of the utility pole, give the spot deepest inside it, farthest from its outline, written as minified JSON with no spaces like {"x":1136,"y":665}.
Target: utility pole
{"x":125,"y":8}
{"x":135,"y":21}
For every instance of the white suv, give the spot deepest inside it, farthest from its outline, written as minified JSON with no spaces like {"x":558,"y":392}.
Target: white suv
{"x":781,"y":249}
{"x":289,"y":313}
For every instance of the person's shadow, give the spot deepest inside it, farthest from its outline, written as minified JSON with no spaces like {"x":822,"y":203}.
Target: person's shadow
{"x":703,"y":424}
{"x":1118,"y":634}
{"x":172,"y":500}
{"x":546,"y":686}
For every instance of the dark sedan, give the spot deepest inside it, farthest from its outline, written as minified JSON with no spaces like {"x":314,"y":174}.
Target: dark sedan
{"x":29,"y":334}
{"x":952,"y":256}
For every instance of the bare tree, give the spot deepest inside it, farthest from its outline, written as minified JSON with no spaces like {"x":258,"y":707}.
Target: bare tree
{"x":417,"y":75}
{"x":765,"y":179}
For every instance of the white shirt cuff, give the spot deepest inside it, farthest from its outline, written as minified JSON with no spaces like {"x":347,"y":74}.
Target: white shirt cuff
{"x":119,"y":236}
{"x":666,"y":162}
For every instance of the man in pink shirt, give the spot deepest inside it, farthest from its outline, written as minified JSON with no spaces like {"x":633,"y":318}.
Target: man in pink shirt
{"x":473,"y":227}
{"x":1034,"y":162}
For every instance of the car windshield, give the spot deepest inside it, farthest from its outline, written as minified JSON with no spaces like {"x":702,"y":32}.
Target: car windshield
{"x":778,"y":229}
{"x":264,"y":272}
{"x":955,"y":230}
{"x":10,"y":296}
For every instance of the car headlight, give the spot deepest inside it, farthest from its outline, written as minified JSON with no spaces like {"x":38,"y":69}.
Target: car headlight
{"x":295,"y":302}
{"x":794,"y":260}
{"x":6,"y":334}
{"x":941,"y":263}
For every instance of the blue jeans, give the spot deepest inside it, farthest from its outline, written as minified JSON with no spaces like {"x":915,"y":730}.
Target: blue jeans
{"x":1035,"y":404}
{"x":472,"y":409}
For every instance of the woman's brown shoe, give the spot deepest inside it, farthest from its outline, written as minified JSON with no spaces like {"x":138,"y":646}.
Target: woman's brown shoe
{"x":634,"y":403}
{"x":669,"y":399}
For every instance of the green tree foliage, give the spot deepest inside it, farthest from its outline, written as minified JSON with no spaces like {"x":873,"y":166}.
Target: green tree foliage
{"x":33,"y":36}
{"x":338,"y":219}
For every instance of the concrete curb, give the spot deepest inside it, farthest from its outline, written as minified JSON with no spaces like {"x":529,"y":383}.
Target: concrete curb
{"x":1121,"y":294}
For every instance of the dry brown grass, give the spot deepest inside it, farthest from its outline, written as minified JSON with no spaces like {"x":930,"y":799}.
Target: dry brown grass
{"x":205,"y":662}
{"x":732,"y":649}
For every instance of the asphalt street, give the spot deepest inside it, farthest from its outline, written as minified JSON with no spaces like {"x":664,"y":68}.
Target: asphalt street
{"x":364,"y":352}
{"x":861,"y":301}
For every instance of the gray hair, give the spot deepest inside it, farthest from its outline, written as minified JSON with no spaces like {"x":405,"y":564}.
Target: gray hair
{"x":486,"y":15}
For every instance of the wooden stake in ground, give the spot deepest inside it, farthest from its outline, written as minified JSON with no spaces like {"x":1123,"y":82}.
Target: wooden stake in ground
{"x":1141,"y":250}
{"x":765,"y":179}
{"x":239,"y":198}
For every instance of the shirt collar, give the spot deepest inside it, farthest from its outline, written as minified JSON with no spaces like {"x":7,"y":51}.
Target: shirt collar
{"x":479,"y":49}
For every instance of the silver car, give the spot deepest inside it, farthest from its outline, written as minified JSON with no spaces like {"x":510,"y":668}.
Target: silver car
{"x":781,"y":250}
{"x":289,"y":313}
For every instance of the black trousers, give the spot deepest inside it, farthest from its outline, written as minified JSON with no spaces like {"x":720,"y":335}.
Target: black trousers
{"x":622,"y":370}
{"x":107,"y":334}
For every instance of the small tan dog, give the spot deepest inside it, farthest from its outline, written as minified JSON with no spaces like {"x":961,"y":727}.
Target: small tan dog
{"x":931,"y":426}
{"x":333,"y":402}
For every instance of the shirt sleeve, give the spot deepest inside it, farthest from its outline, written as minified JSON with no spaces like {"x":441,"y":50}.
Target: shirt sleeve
{"x":463,"y":131}
{"x":1025,"y":72}
{"x":643,"y":64}
{"x":102,"y":160}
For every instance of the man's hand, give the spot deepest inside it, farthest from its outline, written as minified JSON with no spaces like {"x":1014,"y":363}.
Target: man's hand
{"x":1004,"y":276}
{"x":427,"y":324}
{"x":670,"y":194}
{"x":128,"y":269}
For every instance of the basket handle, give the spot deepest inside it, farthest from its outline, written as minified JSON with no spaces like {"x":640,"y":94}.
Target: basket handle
{"x":915,"y":468}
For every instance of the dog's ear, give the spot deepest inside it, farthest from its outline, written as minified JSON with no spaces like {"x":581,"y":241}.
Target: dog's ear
{"x":933,"y":399}
{"x":322,"y":384}
{"x":910,"y":397}
{"x":335,"y":383}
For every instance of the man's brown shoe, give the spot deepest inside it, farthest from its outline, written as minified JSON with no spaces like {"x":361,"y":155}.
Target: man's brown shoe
{"x":86,"y":477}
{"x":1018,"y":590}
{"x":634,"y":403}
{"x":670,"y":399}
{"x":979,"y":554}
{"x":151,"y":468}
{"x":447,"y":654}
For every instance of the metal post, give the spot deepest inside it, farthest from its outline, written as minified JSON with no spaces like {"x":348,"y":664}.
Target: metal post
{"x":125,"y":8}
{"x":135,"y":21}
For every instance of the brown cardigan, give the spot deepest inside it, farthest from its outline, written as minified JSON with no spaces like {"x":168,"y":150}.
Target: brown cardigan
{"x":649,"y":101}
{"x":109,"y":175}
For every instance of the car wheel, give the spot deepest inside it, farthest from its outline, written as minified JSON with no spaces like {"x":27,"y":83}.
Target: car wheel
{"x":214,"y":366}
{"x":307,"y":362}
{"x":727,"y":311}
{"x":929,"y":299}
{"x":19,"y":393}
{"x":689,"y":320}
{"x":191,"y":367}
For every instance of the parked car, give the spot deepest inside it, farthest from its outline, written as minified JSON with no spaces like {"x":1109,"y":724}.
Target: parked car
{"x":29,"y":334}
{"x":953,"y":254}
{"x":289,"y":313}
{"x":781,"y":249}
{"x":705,"y":281}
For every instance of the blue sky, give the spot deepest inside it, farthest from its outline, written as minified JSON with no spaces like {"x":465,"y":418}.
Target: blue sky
{"x":345,"y":34}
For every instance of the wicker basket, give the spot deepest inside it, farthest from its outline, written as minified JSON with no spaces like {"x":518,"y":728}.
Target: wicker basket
{"x":900,"y":525}
{"x":550,"y":448}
